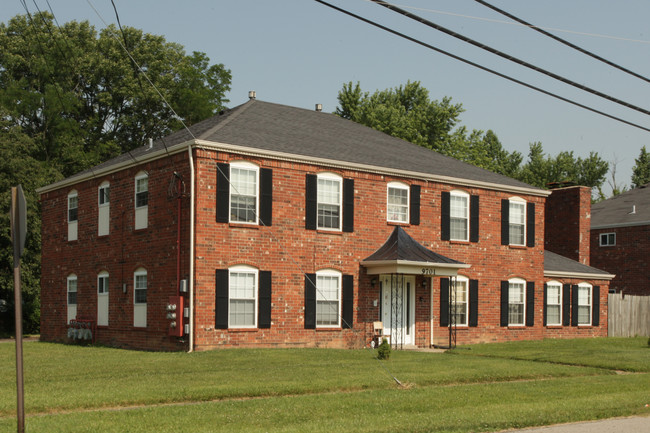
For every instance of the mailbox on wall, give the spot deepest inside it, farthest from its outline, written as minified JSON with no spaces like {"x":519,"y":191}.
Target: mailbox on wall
{"x":174,"y":312}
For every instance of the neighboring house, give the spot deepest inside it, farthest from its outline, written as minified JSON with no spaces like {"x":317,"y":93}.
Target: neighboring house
{"x":620,"y":240}
{"x":275,"y":226}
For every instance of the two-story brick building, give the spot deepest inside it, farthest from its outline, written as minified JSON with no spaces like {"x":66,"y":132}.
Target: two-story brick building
{"x":269,"y":225}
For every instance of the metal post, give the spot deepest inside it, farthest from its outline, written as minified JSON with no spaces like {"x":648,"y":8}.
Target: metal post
{"x":20,"y":390}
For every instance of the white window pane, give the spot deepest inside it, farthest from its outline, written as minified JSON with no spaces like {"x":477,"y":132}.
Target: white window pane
{"x":458,"y":206}
{"x":242,"y":285}
{"x":398,"y":204}
{"x":327,"y":313}
{"x":584,"y":315}
{"x":329,"y":191}
{"x":584,"y":296}
{"x":242,"y":312}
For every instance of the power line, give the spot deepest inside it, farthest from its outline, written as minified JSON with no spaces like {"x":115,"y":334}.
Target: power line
{"x":476,"y":65}
{"x":508,"y":56}
{"x":555,"y":29}
{"x":562,"y":41}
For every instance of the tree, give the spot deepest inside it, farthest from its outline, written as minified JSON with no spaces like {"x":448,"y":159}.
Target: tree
{"x":81,"y":98}
{"x":408,"y":113}
{"x":641,"y":169}
{"x":71,"y":98}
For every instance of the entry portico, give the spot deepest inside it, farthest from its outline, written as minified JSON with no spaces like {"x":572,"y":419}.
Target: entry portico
{"x":396,"y":264}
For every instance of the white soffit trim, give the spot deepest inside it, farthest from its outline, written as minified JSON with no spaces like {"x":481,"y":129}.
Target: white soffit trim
{"x":578,"y":275}
{"x":289,"y":157}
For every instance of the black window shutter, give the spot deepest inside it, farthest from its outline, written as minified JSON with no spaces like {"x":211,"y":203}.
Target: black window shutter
{"x":545,"y":301}
{"x":566,"y":304}
{"x":473,"y":218}
{"x":311,"y":194}
{"x":264,"y":303}
{"x":310,"y":301}
{"x":221,"y":300}
{"x":595,"y":302}
{"x":348,"y":205}
{"x":574,"y":305}
{"x":530,"y":303}
{"x":505,"y":222}
{"x":414,"y":218}
{"x":223,"y":192}
{"x":505,"y":287}
{"x":266,"y":196}
{"x":530,"y":225}
{"x":348,"y":301}
{"x":473,"y":302}
{"x":444,"y":302}
{"x":445,"y":216}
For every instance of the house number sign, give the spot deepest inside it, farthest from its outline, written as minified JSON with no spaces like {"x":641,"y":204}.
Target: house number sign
{"x":428,"y":271}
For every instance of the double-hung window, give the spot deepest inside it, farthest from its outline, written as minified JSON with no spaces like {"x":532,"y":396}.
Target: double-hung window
{"x":141,"y":200}
{"x":243,"y":283}
{"x":398,"y":202}
{"x":517,"y":222}
{"x":244,"y":181}
{"x":459,"y":216}
{"x":140,"y":298}
{"x":103,"y":209}
{"x":584,"y":304}
{"x":328,"y":298}
{"x":459,"y":301}
{"x":73,"y":215}
{"x":553,"y":303}
{"x":516,"y":302}
{"x":72,"y":297}
{"x":329,"y":197}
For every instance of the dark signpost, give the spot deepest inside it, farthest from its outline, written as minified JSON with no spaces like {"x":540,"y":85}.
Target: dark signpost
{"x":18,"y":232}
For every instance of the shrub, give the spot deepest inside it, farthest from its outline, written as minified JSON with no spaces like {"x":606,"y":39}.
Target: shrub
{"x":384,"y":350}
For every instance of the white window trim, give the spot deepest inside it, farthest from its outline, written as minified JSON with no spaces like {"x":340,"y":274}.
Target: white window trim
{"x":140,"y":308}
{"x":71,"y":309}
{"x":523,"y":283}
{"x":607,"y":235}
{"x":103,"y":275}
{"x":339,"y":179}
{"x":339,"y":276}
{"x":401,"y":186}
{"x":73,"y":194}
{"x":458,"y":193}
{"x":589,"y":305}
{"x":141,"y":175}
{"x":465,"y":281}
{"x":521,"y":201}
{"x":559,"y":304}
{"x":106,"y":186}
{"x":248,"y":270}
{"x":244,"y":165}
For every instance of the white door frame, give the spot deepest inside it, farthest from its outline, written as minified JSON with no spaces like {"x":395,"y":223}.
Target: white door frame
{"x":398,"y":308}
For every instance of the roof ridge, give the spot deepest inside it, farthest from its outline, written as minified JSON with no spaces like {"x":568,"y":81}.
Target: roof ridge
{"x":236,"y":112}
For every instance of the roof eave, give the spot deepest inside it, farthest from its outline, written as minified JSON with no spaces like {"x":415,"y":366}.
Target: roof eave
{"x":578,"y":275}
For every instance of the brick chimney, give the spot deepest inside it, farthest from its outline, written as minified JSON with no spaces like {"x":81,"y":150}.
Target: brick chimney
{"x":567,"y":222}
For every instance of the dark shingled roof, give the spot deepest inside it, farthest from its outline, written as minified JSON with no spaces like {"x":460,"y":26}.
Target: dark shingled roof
{"x":297,"y":131}
{"x":627,"y":209}
{"x":557,"y":263}
{"x":401,"y":246}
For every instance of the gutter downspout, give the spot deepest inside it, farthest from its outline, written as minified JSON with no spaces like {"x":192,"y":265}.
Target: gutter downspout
{"x":191,"y":318}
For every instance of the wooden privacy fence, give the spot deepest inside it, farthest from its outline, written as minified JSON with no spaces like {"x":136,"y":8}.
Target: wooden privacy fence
{"x":628,"y":316}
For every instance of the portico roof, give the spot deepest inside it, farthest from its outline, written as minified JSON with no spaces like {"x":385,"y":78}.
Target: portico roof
{"x":401,"y":254}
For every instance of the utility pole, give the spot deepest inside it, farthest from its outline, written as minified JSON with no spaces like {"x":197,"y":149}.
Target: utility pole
{"x":18,"y":232}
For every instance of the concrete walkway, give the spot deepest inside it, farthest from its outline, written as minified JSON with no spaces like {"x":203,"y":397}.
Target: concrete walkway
{"x":636,"y":424}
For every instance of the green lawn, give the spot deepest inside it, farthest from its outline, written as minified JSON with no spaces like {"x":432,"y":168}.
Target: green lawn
{"x":79,"y":389}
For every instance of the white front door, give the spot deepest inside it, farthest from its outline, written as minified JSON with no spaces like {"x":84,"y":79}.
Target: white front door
{"x":398,"y":308}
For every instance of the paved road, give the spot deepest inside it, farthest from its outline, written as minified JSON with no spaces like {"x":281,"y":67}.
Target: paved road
{"x":636,"y":424}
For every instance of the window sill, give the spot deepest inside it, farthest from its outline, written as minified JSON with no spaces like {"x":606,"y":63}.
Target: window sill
{"x":517,"y":247}
{"x":244,"y":226}
{"x":329,"y":232}
{"x":243,"y":329}
{"x":398,"y":223}
{"x":331,"y":328}
{"x":141,"y":230}
{"x":457,"y":242}
{"x":517,"y":327}
{"x":554,"y":326}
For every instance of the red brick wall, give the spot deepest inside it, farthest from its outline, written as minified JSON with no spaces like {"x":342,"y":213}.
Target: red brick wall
{"x":568,"y":222}
{"x":119,"y":253}
{"x":629,"y":259}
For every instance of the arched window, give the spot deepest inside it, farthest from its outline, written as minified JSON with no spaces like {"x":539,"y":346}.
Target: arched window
{"x":459,"y":215}
{"x":244,"y":192}
{"x":516,"y":302}
{"x":328,"y":298}
{"x":397,"y":202}
{"x":553,"y":303}
{"x":585,"y":301}
{"x":242,"y":296}
{"x":329,"y":201}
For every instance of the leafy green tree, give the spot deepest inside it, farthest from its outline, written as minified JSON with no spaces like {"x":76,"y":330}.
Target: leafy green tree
{"x":82,"y":99}
{"x":641,"y":169}
{"x":17,"y":166}
{"x":71,"y":98}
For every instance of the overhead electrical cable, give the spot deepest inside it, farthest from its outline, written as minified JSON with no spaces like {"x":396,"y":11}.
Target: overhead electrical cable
{"x":563,"y":41}
{"x":510,"y":23}
{"x":509,"y":57}
{"x":476,"y":65}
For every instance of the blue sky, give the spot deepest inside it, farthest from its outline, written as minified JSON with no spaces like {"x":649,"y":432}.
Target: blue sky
{"x":299,"y":53}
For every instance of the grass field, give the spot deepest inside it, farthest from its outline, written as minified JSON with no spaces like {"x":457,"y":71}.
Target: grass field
{"x":478,"y":388}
